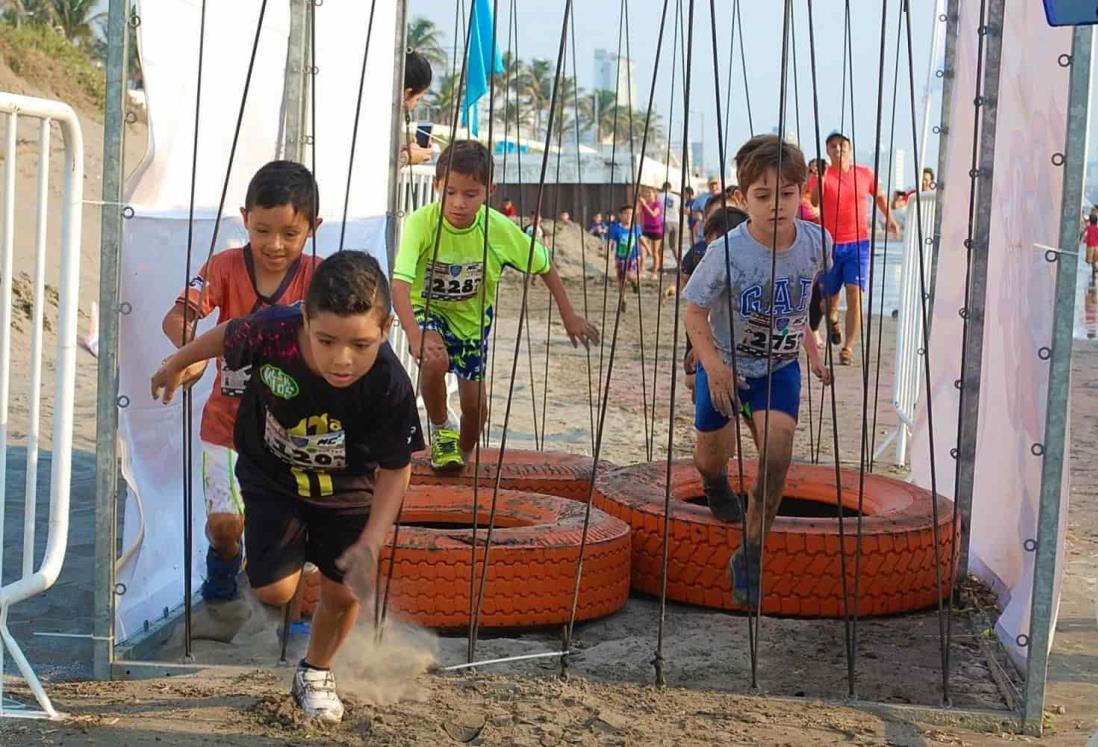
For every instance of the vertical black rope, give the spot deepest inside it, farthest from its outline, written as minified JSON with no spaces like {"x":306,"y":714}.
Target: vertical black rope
{"x":569,"y":629}
{"x":945,"y":617}
{"x":354,"y":129}
{"x":741,"y":490}
{"x":474,"y":601}
{"x":743,"y":69}
{"x":688,"y":43}
{"x":188,"y":403}
{"x":827,"y":300}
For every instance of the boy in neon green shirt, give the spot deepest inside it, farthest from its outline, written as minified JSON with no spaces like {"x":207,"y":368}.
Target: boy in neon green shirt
{"x":443,"y":321}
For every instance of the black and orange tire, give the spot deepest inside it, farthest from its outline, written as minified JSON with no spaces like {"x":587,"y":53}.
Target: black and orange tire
{"x":545,"y":472}
{"x":801,"y":563}
{"x":531,"y":564}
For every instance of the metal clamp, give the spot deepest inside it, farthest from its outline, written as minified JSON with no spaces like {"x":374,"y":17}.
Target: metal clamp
{"x":1022,"y":640}
{"x":135,"y":20}
{"x":1057,"y":159}
{"x":125,"y":308}
{"x":127,"y":212}
{"x":120,"y":588}
{"x":1030,"y":545}
{"x":123,"y":401}
{"x":953,"y":452}
{"x":963,"y":313}
{"x":958,"y":384}
{"x":1064,"y":60}
{"x":973,"y":173}
{"x":1044,"y":352}
{"x":1037,"y":450}
{"x":1052,"y":252}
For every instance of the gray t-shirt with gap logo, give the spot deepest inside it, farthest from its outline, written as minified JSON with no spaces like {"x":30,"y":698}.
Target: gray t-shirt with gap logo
{"x":751,"y":292}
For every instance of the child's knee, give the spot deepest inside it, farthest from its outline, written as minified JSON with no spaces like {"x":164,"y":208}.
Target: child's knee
{"x":336,"y":596}
{"x":710,"y":454}
{"x":279,"y":592}
{"x":224,"y":530}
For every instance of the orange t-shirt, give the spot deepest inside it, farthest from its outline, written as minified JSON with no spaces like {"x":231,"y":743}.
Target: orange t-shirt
{"x":845,"y":205}
{"x":227,"y":283}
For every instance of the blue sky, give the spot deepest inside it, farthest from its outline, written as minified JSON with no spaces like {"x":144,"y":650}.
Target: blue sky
{"x":539,"y":24}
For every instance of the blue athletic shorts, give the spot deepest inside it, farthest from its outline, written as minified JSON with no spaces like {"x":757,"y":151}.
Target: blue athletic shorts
{"x":785,"y":396}
{"x":849,"y":266}
{"x":467,"y":357}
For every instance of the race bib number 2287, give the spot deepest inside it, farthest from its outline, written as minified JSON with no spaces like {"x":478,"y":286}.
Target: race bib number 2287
{"x":455,"y":282}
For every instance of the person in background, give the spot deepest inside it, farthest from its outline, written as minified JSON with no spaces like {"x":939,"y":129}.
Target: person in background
{"x":671,"y":221}
{"x":417,"y":79}
{"x":508,"y":208}
{"x":565,"y":218}
{"x":1090,"y":237}
{"x":599,"y":228}
{"x":697,"y":210}
{"x":651,"y":210}
{"x":625,"y":239}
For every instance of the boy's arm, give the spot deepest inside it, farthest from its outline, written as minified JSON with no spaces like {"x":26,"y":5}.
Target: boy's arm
{"x":179,"y":324}
{"x":402,"y":303}
{"x":578,"y":329}
{"x":174,"y":371}
{"x":705,"y":352}
{"x":815,"y":362}
{"x":359,"y":561}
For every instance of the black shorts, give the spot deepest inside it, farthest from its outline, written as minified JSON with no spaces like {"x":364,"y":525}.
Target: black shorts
{"x":282,"y":532}
{"x":653,"y":235}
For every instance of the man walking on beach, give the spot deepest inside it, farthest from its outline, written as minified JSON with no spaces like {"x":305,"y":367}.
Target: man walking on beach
{"x":844,"y":192}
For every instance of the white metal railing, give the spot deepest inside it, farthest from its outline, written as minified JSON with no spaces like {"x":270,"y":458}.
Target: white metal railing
{"x":32,"y":582}
{"x":907,"y":376}
{"x":415,"y":187}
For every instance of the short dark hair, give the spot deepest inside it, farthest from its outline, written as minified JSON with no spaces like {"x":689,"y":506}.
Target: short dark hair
{"x":928,"y":170}
{"x":348,"y":283}
{"x":1093,"y":220}
{"x":722,"y":221}
{"x":666,"y":186}
{"x":689,"y":190}
{"x":468,"y":158}
{"x":417,"y":73}
{"x":623,"y":208}
{"x":764,"y":152}
{"x":836,"y":134}
{"x":284,"y":183}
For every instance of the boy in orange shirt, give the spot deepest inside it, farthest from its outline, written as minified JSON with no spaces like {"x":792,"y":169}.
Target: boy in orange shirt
{"x":280,"y":214}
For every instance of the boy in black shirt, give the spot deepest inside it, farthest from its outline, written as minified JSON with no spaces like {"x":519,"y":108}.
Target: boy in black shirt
{"x":325,"y":433}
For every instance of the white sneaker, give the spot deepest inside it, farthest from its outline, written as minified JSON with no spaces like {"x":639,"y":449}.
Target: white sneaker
{"x":314,"y":690}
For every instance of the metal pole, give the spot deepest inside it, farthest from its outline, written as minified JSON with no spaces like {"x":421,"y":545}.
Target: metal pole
{"x":393,"y":214}
{"x":969,"y":406}
{"x":949,"y":68}
{"x":293,"y":110}
{"x":1059,"y":379}
{"x":110,"y":275}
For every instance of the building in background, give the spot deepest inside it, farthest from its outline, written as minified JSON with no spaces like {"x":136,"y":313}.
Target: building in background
{"x":613,"y":73}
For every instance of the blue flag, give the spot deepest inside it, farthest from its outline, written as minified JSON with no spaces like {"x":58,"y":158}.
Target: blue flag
{"x":484,"y":61}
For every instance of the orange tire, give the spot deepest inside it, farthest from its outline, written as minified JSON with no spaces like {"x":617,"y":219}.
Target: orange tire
{"x":545,"y":472}
{"x":801,"y":563}
{"x":531,"y":564}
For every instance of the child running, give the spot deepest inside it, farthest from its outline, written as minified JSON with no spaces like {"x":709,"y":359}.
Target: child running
{"x":280,"y":214}
{"x":439,"y":299}
{"x":1090,"y":236}
{"x":326,"y":431}
{"x":625,"y":240}
{"x":769,"y":322}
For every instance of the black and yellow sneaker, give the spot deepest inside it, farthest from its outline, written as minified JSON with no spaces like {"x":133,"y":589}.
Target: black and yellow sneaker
{"x":445,"y":453}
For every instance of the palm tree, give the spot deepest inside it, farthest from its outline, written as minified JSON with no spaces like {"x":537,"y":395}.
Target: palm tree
{"x":603,"y":106}
{"x":536,"y":86}
{"x":443,"y":99}
{"x":426,"y":38}
{"x":76,"y":19}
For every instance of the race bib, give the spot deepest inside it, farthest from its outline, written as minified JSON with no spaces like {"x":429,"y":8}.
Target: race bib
{"x":785,"y":344}
{"x":235,"y":380}
{"x":319,"y":452}
{"x":455,"y":282}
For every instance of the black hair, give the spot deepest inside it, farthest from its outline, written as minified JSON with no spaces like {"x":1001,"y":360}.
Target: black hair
{"x":1094,"y":220}
{"x":721,"y":222}
{"x":284,"y":183}
{"x":349,"y":283}
{"x":666,"y":186}
{"x":468,"y":158}
{"x":417,"y":73}
{"x":623,"y":208}
{"x":834,"y":135}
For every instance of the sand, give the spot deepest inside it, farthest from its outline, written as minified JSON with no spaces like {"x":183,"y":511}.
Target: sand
{"x":394,"y":697}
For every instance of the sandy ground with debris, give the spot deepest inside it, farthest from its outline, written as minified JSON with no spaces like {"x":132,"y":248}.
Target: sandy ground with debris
{"x":392,"y":695}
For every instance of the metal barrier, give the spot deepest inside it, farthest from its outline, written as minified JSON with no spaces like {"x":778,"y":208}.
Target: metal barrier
{"x":415,"y":188}
{"x":907,"y":377}
{"x":33,"y":582}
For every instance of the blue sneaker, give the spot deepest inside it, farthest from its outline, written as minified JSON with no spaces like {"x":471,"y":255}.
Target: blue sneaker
{"x":745,"y":578}
{"x":220,"y":584}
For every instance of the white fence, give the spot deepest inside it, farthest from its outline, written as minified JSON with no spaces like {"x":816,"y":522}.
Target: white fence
{"x":33,"y":582}
{"x":908,"y":373}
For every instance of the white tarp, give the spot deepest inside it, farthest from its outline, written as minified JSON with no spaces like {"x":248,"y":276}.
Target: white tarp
{"x":1031,"y":127}
{"x":154,"y":251}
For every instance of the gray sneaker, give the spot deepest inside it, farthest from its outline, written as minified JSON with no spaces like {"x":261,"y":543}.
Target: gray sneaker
{"x":314,"y":690}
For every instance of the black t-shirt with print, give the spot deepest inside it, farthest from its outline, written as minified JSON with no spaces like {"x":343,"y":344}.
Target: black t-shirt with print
{"x":298,"y":435}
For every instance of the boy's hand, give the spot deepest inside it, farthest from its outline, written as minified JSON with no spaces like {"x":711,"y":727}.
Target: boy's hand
{"x":192,"y":373}
{"x":822,"y":372}
{"x":580,"y":330}
{"x":359,"y":565}
{"x":722,"y":390}
{"x":430,"y":345}
{"x":166,"y":381}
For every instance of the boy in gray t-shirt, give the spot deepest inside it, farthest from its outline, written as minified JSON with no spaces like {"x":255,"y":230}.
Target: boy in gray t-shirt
{"x":762,"y":272}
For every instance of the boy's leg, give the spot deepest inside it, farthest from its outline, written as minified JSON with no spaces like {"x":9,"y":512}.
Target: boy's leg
{"x":714,"y":445}
{"x":332,"y":622}
{"x":473,"y":396}
{"x":433,"y":381}
{"x":779,"y":453}
{"x":225,"y":609}
{"x":443,"y":430}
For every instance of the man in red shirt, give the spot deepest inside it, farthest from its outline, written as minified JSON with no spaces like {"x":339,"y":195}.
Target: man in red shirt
{"x":844,"y":198}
